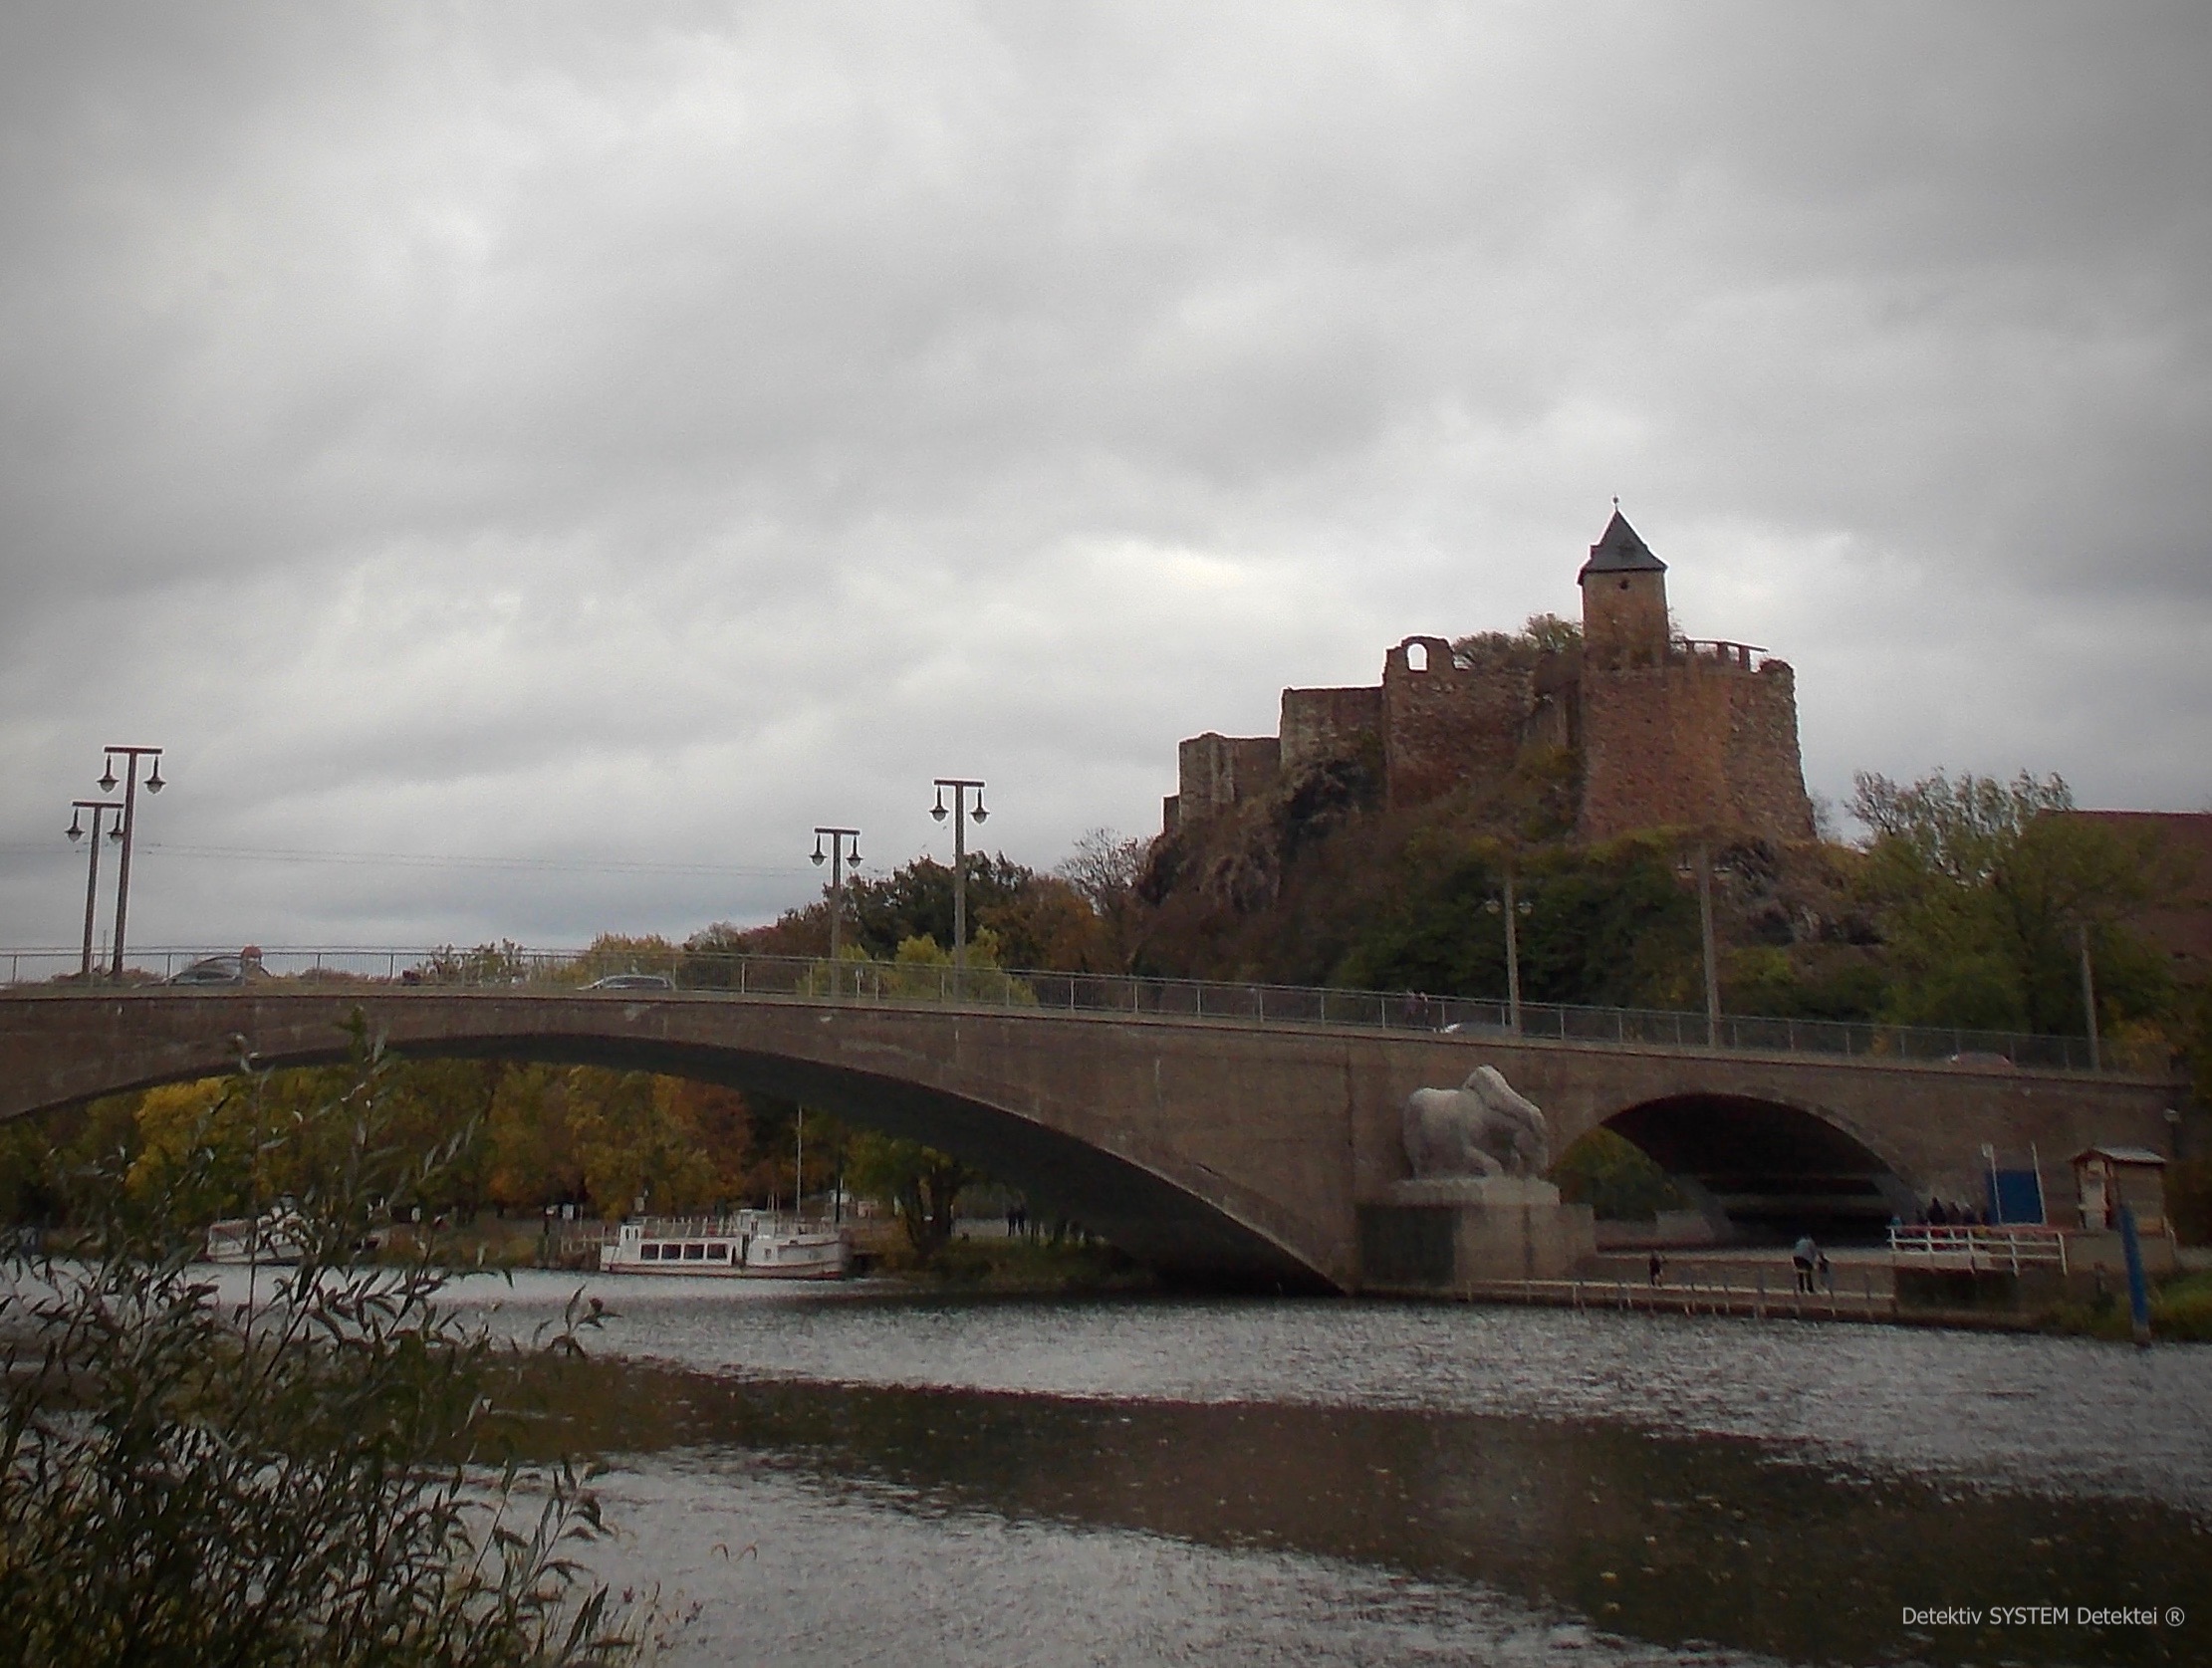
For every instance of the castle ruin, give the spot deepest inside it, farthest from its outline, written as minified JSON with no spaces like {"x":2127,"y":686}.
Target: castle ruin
{"x":1669,"y":731}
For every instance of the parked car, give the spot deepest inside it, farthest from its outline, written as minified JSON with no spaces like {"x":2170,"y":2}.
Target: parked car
{"x":633,"y":982}
{"x":220,"y":970}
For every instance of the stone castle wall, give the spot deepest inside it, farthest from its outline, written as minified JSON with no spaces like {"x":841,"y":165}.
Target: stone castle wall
{"x":1766,"y":776}
{"x":1326,"y":726}
{"x":1699,"y":741}
{"x":1214,"y":772}
{"x":1444,"y":725}
{"x":1555,"y":715}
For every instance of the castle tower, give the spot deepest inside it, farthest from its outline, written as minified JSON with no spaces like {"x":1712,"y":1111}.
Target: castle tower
{"x":1625,"y":621}
{"x":1674,"y":733}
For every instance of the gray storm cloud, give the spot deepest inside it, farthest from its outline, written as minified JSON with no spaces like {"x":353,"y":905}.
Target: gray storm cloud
{"x":598,"y":435}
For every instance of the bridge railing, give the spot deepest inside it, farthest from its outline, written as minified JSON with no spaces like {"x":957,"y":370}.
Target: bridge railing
{"x":512,"y":966}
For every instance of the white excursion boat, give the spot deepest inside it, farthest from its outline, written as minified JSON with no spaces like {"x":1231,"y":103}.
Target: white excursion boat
{"x":752,"y":1245}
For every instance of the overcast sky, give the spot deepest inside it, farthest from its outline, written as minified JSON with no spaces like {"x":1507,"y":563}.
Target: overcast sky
{"x":630,"y":435}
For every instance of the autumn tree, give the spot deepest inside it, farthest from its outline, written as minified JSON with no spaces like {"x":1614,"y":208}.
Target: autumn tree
{"x":613,"y":952}
{"x":1104,"y":870}
{"x":671,"y":1143}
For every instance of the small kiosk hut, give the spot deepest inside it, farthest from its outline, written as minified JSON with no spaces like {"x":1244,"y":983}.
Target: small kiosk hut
{"x":2109,"y":1177}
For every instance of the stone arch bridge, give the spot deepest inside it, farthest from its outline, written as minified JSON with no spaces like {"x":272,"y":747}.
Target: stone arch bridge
{"x":1223,"y":1151}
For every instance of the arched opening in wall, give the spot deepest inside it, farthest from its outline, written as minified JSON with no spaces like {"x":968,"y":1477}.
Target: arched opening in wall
{"x":1416,"y":655}
{"x":1761,"y":1173}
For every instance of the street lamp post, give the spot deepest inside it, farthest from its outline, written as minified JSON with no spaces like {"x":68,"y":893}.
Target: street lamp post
{"x":154,"y":784}
{"x":91,"y":864}
{"x":842,"y":842}
{"x":960,"y":813}
{"x":1510,"y":908}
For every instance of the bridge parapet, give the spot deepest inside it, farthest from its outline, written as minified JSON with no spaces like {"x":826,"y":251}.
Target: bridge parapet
{"x":514,"y":968}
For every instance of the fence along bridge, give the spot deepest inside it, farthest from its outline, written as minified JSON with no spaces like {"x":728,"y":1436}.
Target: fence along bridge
{"x":1226,"y":1133}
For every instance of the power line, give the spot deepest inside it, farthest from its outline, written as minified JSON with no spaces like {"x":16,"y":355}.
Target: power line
{"x":421,"y":859}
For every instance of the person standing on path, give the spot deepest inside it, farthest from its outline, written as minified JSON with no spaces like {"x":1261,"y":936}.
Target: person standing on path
{"x":1801,"y":1258}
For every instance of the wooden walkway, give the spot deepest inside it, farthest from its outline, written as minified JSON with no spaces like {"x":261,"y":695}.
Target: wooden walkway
{"x":1720,"y":1297}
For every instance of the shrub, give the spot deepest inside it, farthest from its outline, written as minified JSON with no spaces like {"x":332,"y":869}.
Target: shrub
{"x":312,"y":1475}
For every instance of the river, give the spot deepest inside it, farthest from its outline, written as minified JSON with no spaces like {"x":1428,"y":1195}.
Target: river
{"x":857,"y":1475}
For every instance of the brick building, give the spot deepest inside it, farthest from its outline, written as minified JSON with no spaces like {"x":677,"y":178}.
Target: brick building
{"x":2178,"y":851}
{"x":1668,"y":731}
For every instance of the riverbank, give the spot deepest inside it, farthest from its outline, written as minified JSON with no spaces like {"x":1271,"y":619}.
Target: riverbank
{"x":2180,"y":1306}
{"x":1009,"y":1265}
{"x":1016,"y":1264}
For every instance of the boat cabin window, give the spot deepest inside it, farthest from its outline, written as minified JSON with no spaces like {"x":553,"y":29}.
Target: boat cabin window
{"x":718,"y":1253}
{"x":694,"y":1253}
{"x":649,"y":1253}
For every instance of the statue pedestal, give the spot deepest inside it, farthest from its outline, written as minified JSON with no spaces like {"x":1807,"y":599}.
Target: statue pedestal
{"x":1452,"y":1233}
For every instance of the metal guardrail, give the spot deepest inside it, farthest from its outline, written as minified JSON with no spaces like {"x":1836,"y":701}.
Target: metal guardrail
{"x":509,"y":966}
{"x":1978,"y":1249}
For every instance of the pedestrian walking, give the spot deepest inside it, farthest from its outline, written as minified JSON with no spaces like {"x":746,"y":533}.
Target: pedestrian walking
{"x":1658,"y":1267}
{"x":1801,"y":1258}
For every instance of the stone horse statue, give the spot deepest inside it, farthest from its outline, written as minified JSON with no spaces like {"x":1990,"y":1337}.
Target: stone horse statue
{"x":1481,"y":1128}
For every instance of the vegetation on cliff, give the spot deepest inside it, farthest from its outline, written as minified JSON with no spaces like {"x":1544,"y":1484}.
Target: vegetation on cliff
{"x":1965,"y":906}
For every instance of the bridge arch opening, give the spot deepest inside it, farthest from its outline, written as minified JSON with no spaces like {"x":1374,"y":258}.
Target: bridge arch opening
{"x":1762,"y":1172}
{"x":1192,"y":1235}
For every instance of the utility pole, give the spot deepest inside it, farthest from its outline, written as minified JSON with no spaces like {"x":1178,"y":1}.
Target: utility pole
{"x":2089,"y":998}
{"x":92,"y":865}
{"x":960,"y":812}
{"x":154,"y":784}
{"x":1705,"y":932}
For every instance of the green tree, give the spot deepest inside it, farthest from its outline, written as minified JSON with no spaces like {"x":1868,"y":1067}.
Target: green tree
{"x":1986,"y":890}
{"x":916,"y":901}
{"x":1615,"y":1178}
{"x":919,"y":1183}
{"x":1612,"y":928}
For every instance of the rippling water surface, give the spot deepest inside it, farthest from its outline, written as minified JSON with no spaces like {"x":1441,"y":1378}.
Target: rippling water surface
{"x":857,"y":1476}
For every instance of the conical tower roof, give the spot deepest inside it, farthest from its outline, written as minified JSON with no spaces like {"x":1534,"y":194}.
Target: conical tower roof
{"x":1621,"y":551}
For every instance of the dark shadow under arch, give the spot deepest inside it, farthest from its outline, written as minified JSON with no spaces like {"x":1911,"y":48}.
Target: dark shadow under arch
{"x":1764,"y":1172}
{"x":1188,"y":1239}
